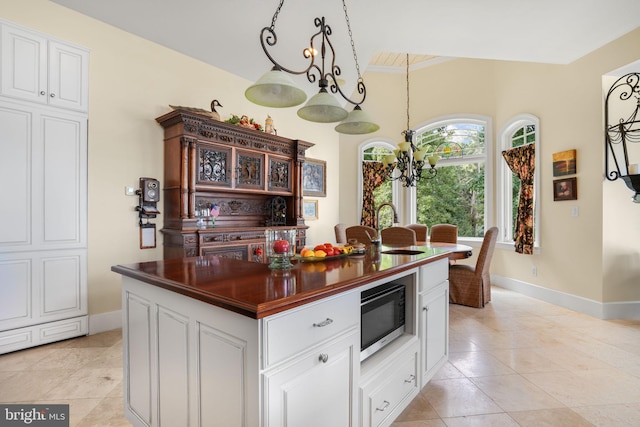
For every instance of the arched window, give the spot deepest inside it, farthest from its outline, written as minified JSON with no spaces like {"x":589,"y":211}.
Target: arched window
{"x":460,"y":192}
{"x":387,"y":191}
{"x":519,"y":131}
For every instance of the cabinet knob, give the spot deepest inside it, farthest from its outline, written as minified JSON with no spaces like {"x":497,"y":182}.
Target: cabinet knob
{"x":323,"y":323}
{"x":384,"y":406}
{"x":42,"y":92}
{"x":323,"y":357}
{"x":53,"y":95}
{"x":425,"y":308}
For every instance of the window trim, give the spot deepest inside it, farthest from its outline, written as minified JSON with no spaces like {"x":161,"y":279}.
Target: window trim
{"x":487,"y":122}
{"x":504,"y":176}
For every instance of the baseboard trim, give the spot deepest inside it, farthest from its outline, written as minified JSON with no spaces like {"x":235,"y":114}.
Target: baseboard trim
{"x":606,"y":311}
{"x":105,"y":322}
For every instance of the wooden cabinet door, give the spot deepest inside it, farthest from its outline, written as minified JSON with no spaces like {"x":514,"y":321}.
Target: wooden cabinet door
{"x":249,"y":170}
{"x":214,"y":166}
{"x":434,"y":329}
{"x":317,"y":388}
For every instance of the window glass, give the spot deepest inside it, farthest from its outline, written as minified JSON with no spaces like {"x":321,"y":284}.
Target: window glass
{"x":456,"y":195}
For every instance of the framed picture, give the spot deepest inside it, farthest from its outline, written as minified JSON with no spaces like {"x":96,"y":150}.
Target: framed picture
{"x":565,"y":189}
{"x":564,"y":163}
{"x":314,"y":178}
{"x":310,"y":209}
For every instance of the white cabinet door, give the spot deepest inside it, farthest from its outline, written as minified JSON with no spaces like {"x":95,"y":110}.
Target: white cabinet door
{"x":43,"y":237}
{"x":43,"y":163}
{"x":434,"y":330}
{"x":317,"y":389}
{"x":37,"y":69}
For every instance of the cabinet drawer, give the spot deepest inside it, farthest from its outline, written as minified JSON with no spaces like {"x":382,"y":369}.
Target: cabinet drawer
{"x":431,"y":275}
{"x":397,"y":382}
{"x":289,"y":333}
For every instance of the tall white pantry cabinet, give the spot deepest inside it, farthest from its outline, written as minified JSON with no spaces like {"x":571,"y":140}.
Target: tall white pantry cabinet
{"x":43,"y":188}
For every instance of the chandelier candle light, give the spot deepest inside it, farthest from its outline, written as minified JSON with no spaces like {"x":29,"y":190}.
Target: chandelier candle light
{"x":410,"y":158}
{"x":277,"y":89}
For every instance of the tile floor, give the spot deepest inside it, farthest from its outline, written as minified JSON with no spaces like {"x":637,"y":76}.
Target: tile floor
{"x":517,"y":362}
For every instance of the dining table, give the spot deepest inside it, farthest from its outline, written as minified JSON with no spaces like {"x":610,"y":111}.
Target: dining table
{"x":458,"y":251}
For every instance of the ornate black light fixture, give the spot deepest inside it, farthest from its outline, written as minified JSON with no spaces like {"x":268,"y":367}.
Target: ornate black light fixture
{"x":625,"y":128}
{"x":407,"y":159}
{"x":277,"y":89}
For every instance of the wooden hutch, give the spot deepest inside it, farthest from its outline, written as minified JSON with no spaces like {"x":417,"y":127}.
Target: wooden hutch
{"x":254,"y":178}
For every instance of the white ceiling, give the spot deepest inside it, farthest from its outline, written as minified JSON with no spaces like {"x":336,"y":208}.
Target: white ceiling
{"x":225,"y":33}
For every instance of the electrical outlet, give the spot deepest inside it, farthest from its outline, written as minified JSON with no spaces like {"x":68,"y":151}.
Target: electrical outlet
{"x":129,"y":191}
{"x":534,"y":271}
{"x":574,"y":211}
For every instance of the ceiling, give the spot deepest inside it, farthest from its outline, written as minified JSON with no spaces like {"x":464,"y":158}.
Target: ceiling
{"x":225,"y":33}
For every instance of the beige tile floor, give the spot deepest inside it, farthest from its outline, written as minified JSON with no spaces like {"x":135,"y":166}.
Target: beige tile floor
{"x":523,"y":362}
{"x":517,"y":362}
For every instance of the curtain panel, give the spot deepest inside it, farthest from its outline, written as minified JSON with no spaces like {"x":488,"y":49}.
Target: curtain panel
{"x":522,"y":161}
{"x":373,"y":174}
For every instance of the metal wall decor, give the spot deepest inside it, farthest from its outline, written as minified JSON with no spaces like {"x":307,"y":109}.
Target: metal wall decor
{"x":622,"y":126}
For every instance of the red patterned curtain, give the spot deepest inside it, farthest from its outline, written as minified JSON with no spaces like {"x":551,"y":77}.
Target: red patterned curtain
{"x":373,"y":174}
{"x":522,"y":162}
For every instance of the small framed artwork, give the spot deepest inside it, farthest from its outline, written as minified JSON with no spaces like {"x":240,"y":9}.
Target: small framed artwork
{"x":564,"y":163}
{"x":310,"y":209}
{"x":314,"y":178}
{"x":565,"y":189}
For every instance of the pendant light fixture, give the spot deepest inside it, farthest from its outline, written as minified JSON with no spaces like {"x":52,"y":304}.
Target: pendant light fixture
{"x":277,"y":89}
{"x":408,"y":159}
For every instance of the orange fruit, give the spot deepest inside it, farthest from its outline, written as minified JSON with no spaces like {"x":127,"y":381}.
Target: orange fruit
{"x":320,"y":253}
{"x":305,"y":253}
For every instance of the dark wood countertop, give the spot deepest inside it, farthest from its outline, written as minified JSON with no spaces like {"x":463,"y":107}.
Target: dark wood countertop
{"x":254,"y":290}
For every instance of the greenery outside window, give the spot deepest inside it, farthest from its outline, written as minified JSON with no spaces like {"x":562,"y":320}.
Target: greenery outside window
{"x":460,"y":192}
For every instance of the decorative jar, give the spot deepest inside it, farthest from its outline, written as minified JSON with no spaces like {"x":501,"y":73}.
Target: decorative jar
{"x":280,"y":246}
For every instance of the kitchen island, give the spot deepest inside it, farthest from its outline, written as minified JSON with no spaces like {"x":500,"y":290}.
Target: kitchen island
{"x":218,"y":342}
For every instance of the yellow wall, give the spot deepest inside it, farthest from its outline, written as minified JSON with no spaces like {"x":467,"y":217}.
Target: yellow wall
{"x":133,"y":81}
{"x":574,"y":257}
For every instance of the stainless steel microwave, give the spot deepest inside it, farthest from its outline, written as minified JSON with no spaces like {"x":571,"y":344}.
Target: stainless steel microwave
{"x":382,"y":317}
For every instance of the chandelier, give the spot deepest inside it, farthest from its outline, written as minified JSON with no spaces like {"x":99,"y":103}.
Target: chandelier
{"x":276,"y":88}
{"x":626,"y":128}
{"x":408,"y":160}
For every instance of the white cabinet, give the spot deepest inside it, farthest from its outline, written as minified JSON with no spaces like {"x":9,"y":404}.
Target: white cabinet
{"x":385,"y":394}
{"x":43,"y":237}
{"x":434,"y":318}
{"x":39,"y":69}
{"x":316,"y":388}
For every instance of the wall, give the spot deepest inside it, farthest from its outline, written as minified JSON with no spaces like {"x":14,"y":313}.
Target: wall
{"x":575,"y":258}
{"x":133,"y":81}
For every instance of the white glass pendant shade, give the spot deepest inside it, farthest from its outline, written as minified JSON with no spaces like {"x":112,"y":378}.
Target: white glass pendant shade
{"x":357,"y":122}
{"x":275,"y":89}
{"x":322,"y":108}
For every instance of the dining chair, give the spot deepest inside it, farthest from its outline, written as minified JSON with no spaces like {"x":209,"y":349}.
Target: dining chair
{"x":421,"y":231}
{"x":445,"y":233}
{"x":398,"y":236}
{"x":341,"y":232}
{"x":469,"y":285}
{"x":362,"y":233}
